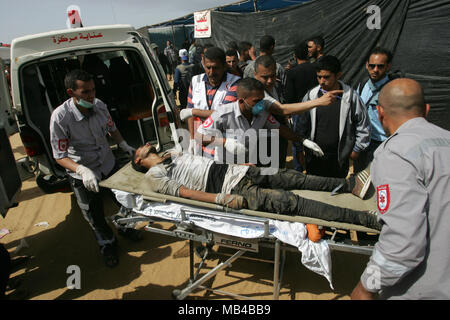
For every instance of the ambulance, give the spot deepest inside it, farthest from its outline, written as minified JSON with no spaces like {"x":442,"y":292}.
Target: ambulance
{"x":128,"y":78}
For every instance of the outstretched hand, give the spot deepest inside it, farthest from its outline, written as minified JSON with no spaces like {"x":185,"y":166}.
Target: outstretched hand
{"x":329,"y":97}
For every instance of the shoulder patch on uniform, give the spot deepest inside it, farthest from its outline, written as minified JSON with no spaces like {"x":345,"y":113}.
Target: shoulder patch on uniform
{"x":208,"y":122}
{"x":383,"y":198}
{"x":110,"y":122}
{"x":63,"y":144}
{"x":271,"y":119}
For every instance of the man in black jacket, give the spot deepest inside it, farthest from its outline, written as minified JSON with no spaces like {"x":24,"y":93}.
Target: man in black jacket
{"x":299,"y":80}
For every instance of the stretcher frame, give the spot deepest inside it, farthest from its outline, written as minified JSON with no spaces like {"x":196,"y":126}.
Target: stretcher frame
{"x":195,"y":234}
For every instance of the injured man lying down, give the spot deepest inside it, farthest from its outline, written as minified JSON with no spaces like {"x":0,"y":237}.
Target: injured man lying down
{"x":243,"y":186}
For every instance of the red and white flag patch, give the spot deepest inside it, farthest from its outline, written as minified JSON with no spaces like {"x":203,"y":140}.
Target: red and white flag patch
{"x":63,"y":144}
{"x":110,"y":122}
{"x":383,"y":198}
{"x":271,"y":119}
{"x":208,"y":122}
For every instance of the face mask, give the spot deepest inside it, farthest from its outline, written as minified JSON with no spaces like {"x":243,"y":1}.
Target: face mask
{"x":85,"y":104}
{"x":258,"y":108}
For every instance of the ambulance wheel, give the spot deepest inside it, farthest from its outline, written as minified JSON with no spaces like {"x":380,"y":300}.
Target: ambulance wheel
{"x":52,"y":184}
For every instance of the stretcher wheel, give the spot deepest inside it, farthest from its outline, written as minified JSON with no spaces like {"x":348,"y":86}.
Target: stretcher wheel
{"x":176,"y":293}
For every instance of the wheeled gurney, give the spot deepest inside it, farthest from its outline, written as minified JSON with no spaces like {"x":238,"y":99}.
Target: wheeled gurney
{"x":243,"y":230}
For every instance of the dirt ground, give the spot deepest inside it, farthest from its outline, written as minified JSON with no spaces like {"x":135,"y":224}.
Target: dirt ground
{"x":150,"y":269}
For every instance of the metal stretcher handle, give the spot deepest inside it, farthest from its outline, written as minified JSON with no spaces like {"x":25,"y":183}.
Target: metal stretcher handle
{"x":154,"y":199}
{"x":276,"y":216}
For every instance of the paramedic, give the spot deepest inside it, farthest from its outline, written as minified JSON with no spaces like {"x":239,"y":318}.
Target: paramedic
{"x":252,"y":111}
{"x":78,"y":134}
{"x":209,"y":90}
{"x":411,"y":173}
{"x":239,"y":186}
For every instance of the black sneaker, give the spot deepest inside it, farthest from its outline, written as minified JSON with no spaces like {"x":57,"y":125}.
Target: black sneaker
{"x":362,"y":183}
{"x":372,"y":220}
{"x":109,"y":254}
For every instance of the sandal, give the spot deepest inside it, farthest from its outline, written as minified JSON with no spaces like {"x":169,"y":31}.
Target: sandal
{"x":109,"y":255}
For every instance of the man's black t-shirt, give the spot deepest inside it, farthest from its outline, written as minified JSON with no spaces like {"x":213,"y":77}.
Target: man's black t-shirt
{"x":299,"y":80}
{"x":327,"y":127}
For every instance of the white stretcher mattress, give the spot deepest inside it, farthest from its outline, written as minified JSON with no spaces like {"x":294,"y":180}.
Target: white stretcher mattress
{"x":315,"y":256}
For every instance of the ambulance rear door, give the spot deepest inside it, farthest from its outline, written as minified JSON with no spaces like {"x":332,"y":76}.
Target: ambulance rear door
{"x":10,"y":181}
{"x":6,"y":115}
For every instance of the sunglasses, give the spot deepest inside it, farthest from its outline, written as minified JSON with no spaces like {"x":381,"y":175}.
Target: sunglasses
{"x":372,"y":66}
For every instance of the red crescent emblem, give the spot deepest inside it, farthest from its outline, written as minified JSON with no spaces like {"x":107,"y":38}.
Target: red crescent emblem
{"x":63,"y":144}
{"x":271,"y":119}
{"x":383,"y":198}
{"x":208,"y":122}
{"x":110,"y":122}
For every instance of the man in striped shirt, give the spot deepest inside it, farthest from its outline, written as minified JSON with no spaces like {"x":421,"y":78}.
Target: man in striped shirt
{"x":209,"y":90}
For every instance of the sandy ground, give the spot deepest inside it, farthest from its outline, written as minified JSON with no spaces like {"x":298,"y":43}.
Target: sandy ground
{"x":150,"y":269}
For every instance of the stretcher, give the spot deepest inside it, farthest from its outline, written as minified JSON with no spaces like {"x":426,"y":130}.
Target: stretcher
{"x":246,"y":231}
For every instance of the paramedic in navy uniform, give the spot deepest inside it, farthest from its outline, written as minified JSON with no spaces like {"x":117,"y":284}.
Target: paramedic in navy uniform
{"x":78,"y":134}
{"x":411,"y":173}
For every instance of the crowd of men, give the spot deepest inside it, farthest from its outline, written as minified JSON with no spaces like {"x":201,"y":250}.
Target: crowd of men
{"x":345,"y":131}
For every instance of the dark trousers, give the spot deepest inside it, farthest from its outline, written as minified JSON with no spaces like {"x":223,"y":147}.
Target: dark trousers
{"x":269,"y":193}
{"x":5,"y":269}
{"x":91,"y":205}
{"x":326,"y":166}
{"x":366,"y":156}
